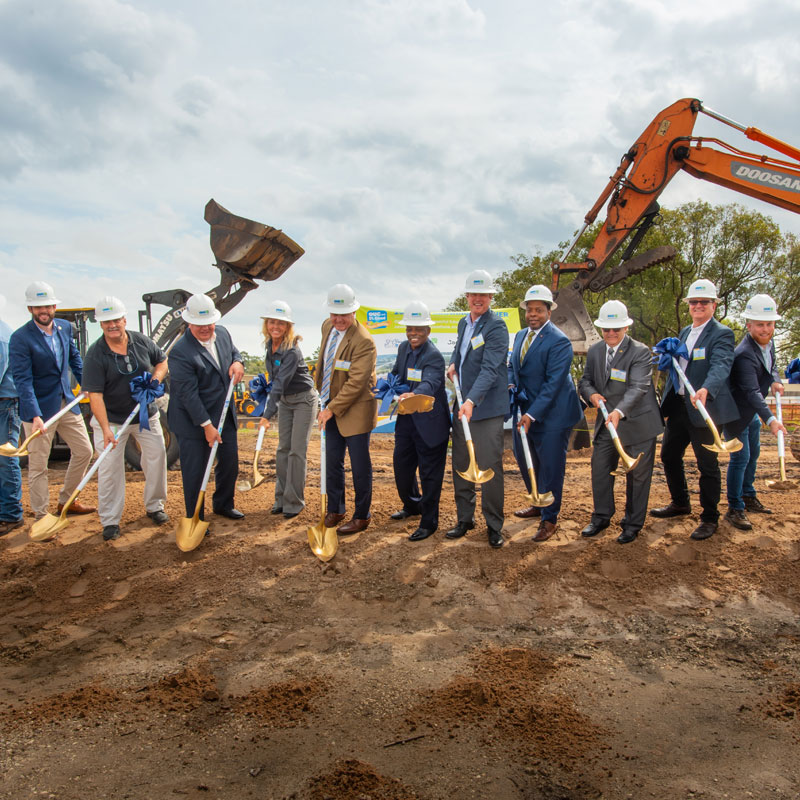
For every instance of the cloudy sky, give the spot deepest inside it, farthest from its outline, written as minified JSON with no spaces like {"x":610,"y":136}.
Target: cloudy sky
{"x":402,"y":143}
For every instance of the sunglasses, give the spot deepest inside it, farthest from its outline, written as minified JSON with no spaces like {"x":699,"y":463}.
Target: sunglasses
{"x":610,"y":330}
{"x":700,"y":302}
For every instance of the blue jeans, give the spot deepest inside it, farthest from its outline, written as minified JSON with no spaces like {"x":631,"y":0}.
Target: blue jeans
{"x":10,"y":473}
{"x":742,"y":465}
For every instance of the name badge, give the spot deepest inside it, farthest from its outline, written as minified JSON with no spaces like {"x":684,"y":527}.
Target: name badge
{"x":342,"y":365}
{"x":414,"y":374}
{"x":619,"y":375}
{"x":699,"y":354}
{"x":477,"y":341}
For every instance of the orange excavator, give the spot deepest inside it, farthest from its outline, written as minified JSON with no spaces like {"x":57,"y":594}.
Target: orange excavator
{"x":664,"y":148}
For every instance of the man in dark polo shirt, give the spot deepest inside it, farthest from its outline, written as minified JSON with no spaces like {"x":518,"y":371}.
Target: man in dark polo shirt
{"x":108,"y":368}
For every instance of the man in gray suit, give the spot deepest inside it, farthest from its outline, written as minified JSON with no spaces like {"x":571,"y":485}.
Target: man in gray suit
{"x":618,"y":373}
{"x":479,"y":359}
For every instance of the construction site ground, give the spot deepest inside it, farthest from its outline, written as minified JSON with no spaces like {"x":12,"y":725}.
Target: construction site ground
{"x":575,"y":668}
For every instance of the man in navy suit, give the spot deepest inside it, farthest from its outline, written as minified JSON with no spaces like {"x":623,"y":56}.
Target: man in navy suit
{"x":710,"y":345}
{"x":201,"y":365}
{"x":42,"y":353}
{"x":479,"y":359}
{"x":754,"y":372}
{"x":420,"y":439}
{"x":540,"y":365}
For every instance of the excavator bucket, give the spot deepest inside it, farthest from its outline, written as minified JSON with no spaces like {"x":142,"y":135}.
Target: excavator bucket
{"x":250,"y":248}
{"x":570,"y":316}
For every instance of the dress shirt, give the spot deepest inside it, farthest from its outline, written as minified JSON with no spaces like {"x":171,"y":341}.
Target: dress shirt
{"x":691,"y":339}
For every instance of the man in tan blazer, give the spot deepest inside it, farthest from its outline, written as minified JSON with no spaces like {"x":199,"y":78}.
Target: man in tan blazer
{"x":345,"y":377}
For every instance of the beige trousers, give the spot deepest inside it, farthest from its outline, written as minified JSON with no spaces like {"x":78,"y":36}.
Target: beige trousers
{"x":72,"y":430}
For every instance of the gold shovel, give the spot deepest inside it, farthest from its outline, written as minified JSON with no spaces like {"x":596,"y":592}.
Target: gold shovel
{"x":472,"y":473}
{"x":9,"y":450}
{"x":534,"y":498}
{"x":190,"y":532}
{"x":50,"y":524}
{"x":719,"y":445}
{"x":628,"y":463}
{"x":782,"y":484}
{"x":245,"y":485}
{"x":323,"y":541}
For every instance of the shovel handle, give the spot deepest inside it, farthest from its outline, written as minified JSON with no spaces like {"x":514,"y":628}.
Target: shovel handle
{"x":464,"y":423}
{"x":779,"y":417}
{"x":322,"y":466}
{"x":526,"y":448}
{"x":213,"y":453}
{"x":260,"y":440}
{"x":610,"y":425}
{"x":78,"y":397}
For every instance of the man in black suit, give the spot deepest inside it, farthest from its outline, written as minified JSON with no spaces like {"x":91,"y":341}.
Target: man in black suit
{"x":201,"y":366}
{"x":420,"y":439}
{"x":754,"y":373}
{"x":710,"y":346}
{"x":618,"y":372}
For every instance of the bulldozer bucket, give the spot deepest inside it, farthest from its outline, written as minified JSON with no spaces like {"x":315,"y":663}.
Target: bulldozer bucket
{"x":570,"y":316}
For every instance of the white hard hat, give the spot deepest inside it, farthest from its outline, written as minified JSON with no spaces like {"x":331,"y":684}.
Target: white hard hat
{"x":278,"y":309}
{"x":200,"y":310}
{"x":540,"y":293}
{"x":702,"y":290}
{"x":341,"y":299}
{"x":762,"y":308}
{"x":416,"y":313}
{"x":109,"y":308}
{"x":479,"y":281}
{"x":613,"y":314}
{"x":40,"y":293}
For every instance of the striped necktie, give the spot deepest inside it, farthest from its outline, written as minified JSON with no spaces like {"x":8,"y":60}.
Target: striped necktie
{"x":526,"y":345}
{"x":328,"y":368}
{"x":609,"y":359}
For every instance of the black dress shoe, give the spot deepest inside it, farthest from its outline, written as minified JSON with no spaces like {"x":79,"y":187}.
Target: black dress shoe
{"x":402,"y":514}
{"x":627,"y":535}
{"x":593,"y":528}
{"x":704,"y":530}
{"x":755,"y":506}
{"x":230,"y":513}
{"x":420,"y":534}
{"x":459,"y":530}
{"x":495,"y":538}
{"x":672,"y":510}
{"x":290,"y":514}
{"x":276,"y":510}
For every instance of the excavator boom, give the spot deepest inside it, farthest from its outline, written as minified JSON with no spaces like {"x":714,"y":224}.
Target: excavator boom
{"x":663,"y":149}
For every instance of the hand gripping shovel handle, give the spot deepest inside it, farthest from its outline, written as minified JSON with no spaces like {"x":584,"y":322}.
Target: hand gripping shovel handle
{"x":628,"y":463}
{"x":464,"y":423}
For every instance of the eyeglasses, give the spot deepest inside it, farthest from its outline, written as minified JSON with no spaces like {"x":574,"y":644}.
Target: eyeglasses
{"x":130,"y":366}
{"x":610,"y":330}
{"x":700,"y":302}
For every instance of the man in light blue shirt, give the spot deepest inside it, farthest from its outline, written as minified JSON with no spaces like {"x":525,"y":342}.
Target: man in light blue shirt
{"x":10,"y":473}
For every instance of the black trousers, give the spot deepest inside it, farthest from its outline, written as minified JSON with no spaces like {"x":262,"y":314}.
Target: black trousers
{"x":412,"y":454}
{"x":678,"y":435}
{"x":360,"y":464}
{"x":194,"y":454}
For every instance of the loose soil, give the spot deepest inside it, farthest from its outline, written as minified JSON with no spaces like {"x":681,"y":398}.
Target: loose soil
{"x":576,"y":668}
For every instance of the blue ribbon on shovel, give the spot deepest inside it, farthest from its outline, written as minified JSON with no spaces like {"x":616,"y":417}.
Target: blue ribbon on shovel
{"x":259,"y":391}
{"x":387,"y":389}
{"x":667,"y":349}
{"x":793,"y":371}
{"x":516,"y":399}
{"x":144,"y":389}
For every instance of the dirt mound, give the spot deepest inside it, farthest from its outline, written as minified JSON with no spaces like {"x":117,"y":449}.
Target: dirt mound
{"x":351,"y":779}
{"x":184,"y":691}
{"x":87,"y":701}
{"x":787,"y":706}
{"x":282,"y":705}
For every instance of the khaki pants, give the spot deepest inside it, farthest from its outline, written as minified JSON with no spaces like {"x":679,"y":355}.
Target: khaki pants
{"x":111,"y":472}
{"x":73,"y":431}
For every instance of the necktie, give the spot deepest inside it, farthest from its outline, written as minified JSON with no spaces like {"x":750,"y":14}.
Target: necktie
{"x":526,"y":345}
{"x":609,"y":359}
{"x":328,"y":368}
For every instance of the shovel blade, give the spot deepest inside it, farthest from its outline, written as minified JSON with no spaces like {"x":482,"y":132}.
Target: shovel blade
{"x":725,"y":447}
{"x":243,"y":486}
{"x":475,"y":475}
{"x":540,"y":500}
{"x":48,"y":526}
{"x":10,"y":451}
{"x":323,"y":541}
{"x":190,"y":533}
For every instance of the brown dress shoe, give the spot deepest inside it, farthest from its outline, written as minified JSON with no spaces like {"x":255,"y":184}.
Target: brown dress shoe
{"x":76,"y":508}
{"x":528,"y":513}
{"x":332,"y":520}
{"x":354,"y":526}
{"x":546,"y":530}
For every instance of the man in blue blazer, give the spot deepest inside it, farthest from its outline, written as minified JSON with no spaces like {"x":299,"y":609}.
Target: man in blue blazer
{"x":479,"y":359}
{"x":710,"y":345}
{"x":754,"y":372}
{"x":540,"y":366}
{"x":201,"y":365}
{"x":420,"y":439}
{"x":42,"y":354}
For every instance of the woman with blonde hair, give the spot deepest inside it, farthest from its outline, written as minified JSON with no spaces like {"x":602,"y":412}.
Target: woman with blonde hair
{"x":294,"y":399}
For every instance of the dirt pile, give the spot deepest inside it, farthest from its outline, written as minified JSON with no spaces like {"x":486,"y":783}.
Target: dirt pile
{"x":282,"y":705}
{"x":351,"y":779}
{"x":87,"y":702}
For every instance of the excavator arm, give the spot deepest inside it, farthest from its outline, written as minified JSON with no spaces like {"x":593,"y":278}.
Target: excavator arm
{"x":664,"y":148}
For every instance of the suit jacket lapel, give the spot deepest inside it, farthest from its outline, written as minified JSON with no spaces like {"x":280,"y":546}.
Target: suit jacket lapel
{"x":207,"y":356}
